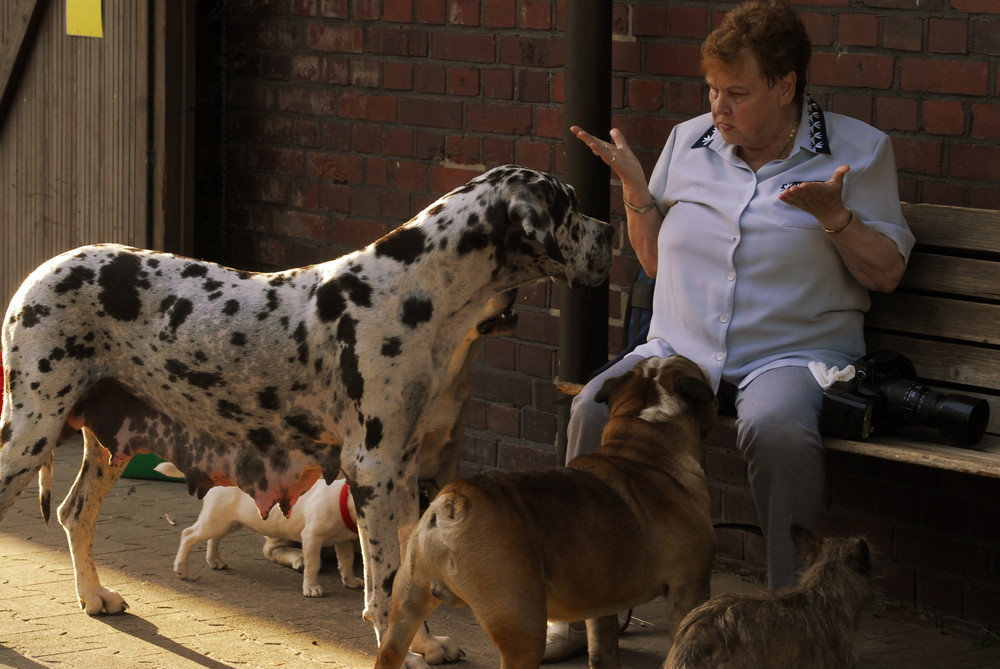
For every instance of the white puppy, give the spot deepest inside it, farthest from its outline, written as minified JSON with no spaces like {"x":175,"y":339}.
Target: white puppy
{"x":323,"y":516}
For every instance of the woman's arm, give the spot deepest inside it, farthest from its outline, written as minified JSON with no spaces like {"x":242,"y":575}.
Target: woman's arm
{"x":642,"y":215}
{"x":872,"y":258}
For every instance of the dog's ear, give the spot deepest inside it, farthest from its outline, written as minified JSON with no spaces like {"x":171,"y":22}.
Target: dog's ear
{"x":807,"y":543}
{"x":861,"y":559}
{"x":695,"y":391}
{"x":608,"y":387}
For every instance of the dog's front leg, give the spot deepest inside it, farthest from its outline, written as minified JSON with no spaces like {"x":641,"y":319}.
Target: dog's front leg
{"x":78,"y":515}
{"x":602,"y":642}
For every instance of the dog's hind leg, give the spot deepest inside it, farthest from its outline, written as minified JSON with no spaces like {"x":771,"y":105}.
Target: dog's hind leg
{"x":602,"y":642}
{"x":78,"y":515}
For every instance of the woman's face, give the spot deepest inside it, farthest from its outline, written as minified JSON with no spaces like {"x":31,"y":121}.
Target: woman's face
{"x":747,"y":111}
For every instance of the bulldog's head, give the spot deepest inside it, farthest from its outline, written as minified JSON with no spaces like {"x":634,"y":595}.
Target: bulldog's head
{"x":661,"y":390}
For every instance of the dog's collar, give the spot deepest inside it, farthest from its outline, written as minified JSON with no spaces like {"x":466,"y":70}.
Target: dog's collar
{"x":345,"y":513}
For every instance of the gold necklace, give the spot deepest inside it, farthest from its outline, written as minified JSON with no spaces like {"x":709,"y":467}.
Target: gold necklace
{"x":795,"y":128}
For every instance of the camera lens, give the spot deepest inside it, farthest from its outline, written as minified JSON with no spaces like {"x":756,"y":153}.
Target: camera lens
{"x":957,"y":416}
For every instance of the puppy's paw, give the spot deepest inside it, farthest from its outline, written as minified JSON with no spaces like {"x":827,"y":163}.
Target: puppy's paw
{"x":353,"y":582}
{"x":437,"y":649}
{"x":312,"y":590}
{"x":217,"y":564}
{"x":297,"y":563}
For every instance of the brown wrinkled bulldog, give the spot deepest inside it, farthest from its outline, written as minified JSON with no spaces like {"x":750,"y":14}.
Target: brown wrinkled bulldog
{"x":609,"y":531}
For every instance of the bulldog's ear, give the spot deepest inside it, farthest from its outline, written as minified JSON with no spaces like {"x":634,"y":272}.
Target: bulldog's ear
{"x":695,"y":391}
{"x":609,"y":387}
{"x":536,"y":226}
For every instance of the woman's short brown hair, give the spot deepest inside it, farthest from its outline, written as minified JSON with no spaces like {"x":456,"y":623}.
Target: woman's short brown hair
{"x":766,"y":29}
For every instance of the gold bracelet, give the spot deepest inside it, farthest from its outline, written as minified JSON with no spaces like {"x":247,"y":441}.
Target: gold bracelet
{"x":833,"y":231}
{"x":640,"y":210}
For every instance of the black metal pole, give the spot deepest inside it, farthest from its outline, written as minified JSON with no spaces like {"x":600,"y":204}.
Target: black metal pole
{"x":583,"y":315}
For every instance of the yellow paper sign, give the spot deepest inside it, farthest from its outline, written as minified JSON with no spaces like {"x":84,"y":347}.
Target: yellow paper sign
{"x":84,"y":18}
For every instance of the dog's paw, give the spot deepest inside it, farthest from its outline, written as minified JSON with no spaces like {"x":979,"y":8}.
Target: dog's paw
{"x":297,"y":563}
{"x":217,"y":564}
{"x":103,"y":600}
{"x":312,"y":590}
{"x":353,"y":582}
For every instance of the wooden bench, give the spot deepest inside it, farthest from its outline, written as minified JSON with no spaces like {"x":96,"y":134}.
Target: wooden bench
{"x":944,"y":317}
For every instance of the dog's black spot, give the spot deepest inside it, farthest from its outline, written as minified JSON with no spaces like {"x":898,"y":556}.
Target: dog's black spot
{"x":44,"y":367}
{"x":261,"y":438}
{"x":238,"y":339}
{"x":301,"y":424}
{"x":120,"y":280}
{"x":363,"y":496}
{"x":280,"y":462}
{"x":79,"y":351}
{"x":417,"y":310}
{"x":373,"y":433}
{"x":205,"y":380}
{"x":273,"y":302}
{"x":404,"y":245}
{"x":347,"y":331}
{"x":65,"y":390}
{"x":137,"y":361}
{"x":211,"y":285}
{"x":300,"y":335}
{"x":387,"y":583}
{"x":229,"y":410}
{"x":350,"y":371}
{"x":330,"y":303}
{"x":179,"y":312}
{"x":193,"y":269}
{"x":32,"y":314}
{"x":74,"y":280}
{"x":231,"y":307}
{"x":392,"y":347}
{"x":359,"y":291}
{"x":39,"y":446}
{"x":471,"y":240}
{"x":268,"y":399}
{"x":250,"y":470}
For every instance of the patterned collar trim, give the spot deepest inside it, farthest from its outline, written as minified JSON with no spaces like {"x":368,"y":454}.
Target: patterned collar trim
{"x":815,"y":121}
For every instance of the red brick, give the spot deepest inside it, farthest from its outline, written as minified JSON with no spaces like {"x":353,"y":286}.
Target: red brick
{"x":335,"y":70}
{"x":535,"y":14}
{"x":463,"y":12}
{"x":498,"y":84}
{"x":366,"y":139}
{"x":852,"y":69}
{"x":986,"y":38}
{"x":498,"y":151}
{"x":538,"y":426}
{"x":397,"y":10}
{"x":535,"y":155}
{"x":500,"y":14}
{"x":650,"y":19}
{"x":673,"y":60}
{"x":398,"y":76}
{"x":646,"y":95}
{"x":948,"y":36}
{"x":944,"y":117}
{"x":303,"y":7}
{"x":397,"y":142}
{"x":626,"y":57}
{"x":430,"y":78}
{"x":304,"y":225}
{"x":445,"y":179}
{"x":335,"y":9}
{"x":934,"y":192}
{"x":978,"y":162}
{"x":896,"y":113}
{"x":518,"y":457}
{"x":333,"y":37}
{"x":262,"y":188}
{"x":549,"y":123}
{"x":532,"y":52}
{"x":396,"y":42}
{"x":464,"y":47}
{"x":858,"y":30}
{"x":431,"y":112}
{"x":976,"y":6}
{"x":365,"y":10}
{"x":355,"y":233}
{"x":955,"y":557}
{"x":917,"y":155}
{"x":821,"y":28}
{"x":431,"y":11}
{"x":280,"y":160}
{"x":689,"y":22}
{"x":306,"y":68}
{"x":367,"y":107}
{"x":904,"y":33}
{"x":500,"y":353}
{"x":463,"y":81}
{"x":504,"y":420}
{"x":536,"y":361}
{"x":939,"y":76}
{"x":304,"y":195}
{"x":366,"y":73}
{"x":498,"y":118}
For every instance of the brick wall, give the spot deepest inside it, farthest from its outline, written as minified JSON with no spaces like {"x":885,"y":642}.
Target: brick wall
{"x":343,"y":118}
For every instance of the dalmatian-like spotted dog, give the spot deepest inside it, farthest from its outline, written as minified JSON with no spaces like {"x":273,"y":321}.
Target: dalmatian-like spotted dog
{"x":268,"y":381}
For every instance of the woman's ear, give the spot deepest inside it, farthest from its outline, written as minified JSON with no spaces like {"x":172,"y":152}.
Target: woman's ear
{"x":787,"y":88}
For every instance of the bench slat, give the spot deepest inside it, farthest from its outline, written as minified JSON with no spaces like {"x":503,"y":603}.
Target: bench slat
{"x":954,"y":227}
{"x":935,"y":316}
{"x":949,"y":274}
{"x":943,"y":361}
{"x":985,"y":462}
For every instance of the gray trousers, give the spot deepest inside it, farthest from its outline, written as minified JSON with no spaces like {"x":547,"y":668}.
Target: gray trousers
{"x":777,"y":431}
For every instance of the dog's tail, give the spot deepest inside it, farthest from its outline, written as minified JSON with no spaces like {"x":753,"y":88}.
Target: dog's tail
{"x":45,"y":487}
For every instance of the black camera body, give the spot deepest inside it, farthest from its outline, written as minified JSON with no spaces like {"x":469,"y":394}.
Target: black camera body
{"x":883,"y":395}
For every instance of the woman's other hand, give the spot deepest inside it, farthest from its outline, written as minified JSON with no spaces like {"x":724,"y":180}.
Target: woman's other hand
{"x":822,"y":199}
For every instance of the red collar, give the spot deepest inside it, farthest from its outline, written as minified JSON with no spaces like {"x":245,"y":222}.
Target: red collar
{"x":345,"y":513}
